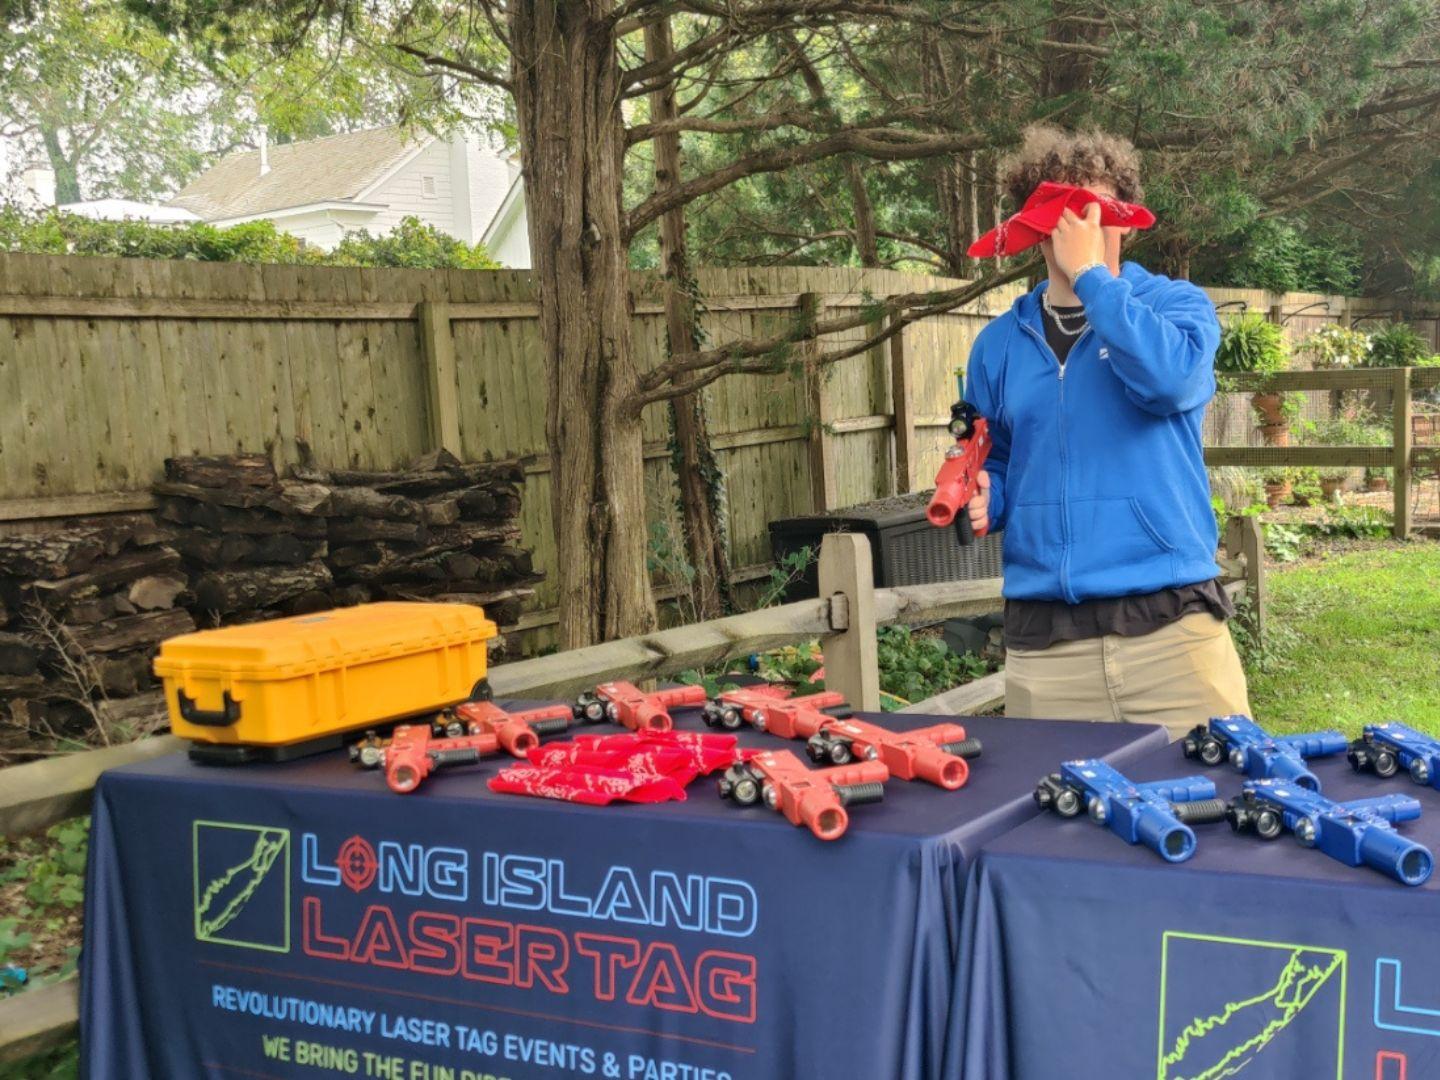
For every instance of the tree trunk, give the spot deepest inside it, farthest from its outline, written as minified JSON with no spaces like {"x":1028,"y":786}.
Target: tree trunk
{"x":695,"y":463}
{"x":866,"y":246}
{"x":67,"y":173}
{"x":566,"y":81}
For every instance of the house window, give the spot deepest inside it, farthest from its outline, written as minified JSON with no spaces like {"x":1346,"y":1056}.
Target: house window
{"x":427,"y":186}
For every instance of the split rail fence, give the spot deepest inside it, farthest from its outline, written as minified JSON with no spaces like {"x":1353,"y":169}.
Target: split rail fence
{"x":1412,"y":453}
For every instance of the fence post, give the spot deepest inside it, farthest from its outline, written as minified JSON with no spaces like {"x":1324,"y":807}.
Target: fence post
{"x":847,"y":580}
{"x":1245,"y":538}
{"x":1403,"y":438}
{"x":903,"y":406}
{"x":437,"y":346}
{"x":822,"y":465}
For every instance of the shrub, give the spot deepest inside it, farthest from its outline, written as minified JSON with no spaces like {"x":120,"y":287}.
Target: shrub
{"x":1251,"y":343}
{"x":1397,"y":345}
{"x":1336,"y":347}
{"x":412,"y":243}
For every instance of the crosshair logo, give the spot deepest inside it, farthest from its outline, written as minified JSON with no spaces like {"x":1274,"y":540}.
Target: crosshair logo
{"x":357,"y":863}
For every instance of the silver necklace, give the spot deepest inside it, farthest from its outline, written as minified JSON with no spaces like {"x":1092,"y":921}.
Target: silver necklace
{"x":1059,"y":323}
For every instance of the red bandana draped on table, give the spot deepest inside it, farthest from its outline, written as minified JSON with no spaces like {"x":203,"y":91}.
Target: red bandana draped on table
{"x":1037,"y":218}
{"x":646,"y":766}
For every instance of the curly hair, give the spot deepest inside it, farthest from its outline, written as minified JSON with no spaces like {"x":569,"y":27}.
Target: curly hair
{"x":1081,"y":158}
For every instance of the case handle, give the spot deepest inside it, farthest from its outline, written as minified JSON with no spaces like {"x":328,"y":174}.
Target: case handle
{"x":228,"y":714}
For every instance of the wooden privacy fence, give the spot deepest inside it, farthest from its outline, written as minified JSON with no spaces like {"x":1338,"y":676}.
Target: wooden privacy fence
{"x":844,"y":617}
{"x":108,"y":366}
{"x":111,"y":365}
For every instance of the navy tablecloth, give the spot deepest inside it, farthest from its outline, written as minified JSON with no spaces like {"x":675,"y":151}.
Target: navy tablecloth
{"x":476,"y":935}
{"x":1086,"y":958}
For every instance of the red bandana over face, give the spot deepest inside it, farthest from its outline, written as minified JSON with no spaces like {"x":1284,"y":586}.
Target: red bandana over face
{"x":1041,"y":212}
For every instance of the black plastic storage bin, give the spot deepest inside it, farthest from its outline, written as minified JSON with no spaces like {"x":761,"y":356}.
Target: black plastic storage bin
{"x":907,"y":549}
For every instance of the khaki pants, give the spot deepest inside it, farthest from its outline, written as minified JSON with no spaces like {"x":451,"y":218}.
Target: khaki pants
{"x":1178,"y":676}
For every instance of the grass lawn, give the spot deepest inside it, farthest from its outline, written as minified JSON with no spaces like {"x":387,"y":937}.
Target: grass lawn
{"x":1355,"y":638}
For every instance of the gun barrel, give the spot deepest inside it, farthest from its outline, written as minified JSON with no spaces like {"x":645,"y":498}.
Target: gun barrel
{"x":1286,"y":767}
{"x":517,"y":737}
{"x":1392,"y":854}
{"x":1164,"y":834}
{"x":940,"y":768}
{"x":951,"y":492}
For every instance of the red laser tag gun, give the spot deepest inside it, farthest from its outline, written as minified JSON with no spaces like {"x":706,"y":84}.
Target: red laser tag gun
{"x":629,"y":707}
{"x":959,"y":478}
{"x":787,"y":718}
{"x":814,"y":798}
{"x":414,"y":751}
{"x":518,"y":732}
{"x":937,"y":754}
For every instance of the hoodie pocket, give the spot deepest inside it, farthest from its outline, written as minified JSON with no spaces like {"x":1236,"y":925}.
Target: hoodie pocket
{"x":1115,"y":550}
{"x":1034,"y":541}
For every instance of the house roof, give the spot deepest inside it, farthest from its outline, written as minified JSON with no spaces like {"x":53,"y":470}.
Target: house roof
{"x":335,"y":168}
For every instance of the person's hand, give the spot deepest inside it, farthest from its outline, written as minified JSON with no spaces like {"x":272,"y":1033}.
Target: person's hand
{"x":1078,"y":240}
{"x":979,"y":508}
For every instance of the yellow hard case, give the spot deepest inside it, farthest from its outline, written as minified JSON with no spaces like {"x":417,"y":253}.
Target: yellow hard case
{"x":296,"y":680}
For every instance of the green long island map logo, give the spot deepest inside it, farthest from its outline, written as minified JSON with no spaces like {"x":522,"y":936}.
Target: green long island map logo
{"x":1227,"y":1002}
{"x":242,"y":885}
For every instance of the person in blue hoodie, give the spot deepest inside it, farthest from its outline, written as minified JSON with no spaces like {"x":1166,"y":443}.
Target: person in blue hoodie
{"x":1095,"y":385}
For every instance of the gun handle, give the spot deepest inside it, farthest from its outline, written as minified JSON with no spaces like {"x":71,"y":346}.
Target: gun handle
{"x":964,"y":531}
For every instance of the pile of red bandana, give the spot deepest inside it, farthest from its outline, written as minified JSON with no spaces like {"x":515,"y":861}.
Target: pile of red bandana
{"x":644,"y":766}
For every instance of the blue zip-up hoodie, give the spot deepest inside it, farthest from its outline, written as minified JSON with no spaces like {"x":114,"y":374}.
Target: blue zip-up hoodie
{"x":1097,"y":474}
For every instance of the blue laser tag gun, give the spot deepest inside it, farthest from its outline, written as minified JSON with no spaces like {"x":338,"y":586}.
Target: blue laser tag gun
{"x":1362,"y":831}
{"x":1258,"y":754}
{"x":1157,"y":814}
{"x":1385,"y":749}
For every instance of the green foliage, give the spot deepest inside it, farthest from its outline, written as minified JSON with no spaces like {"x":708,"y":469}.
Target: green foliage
{"x":1306,"y":487}
{"x":912,"y":666}
{"x":915,"y":667}
{"x":42,"y":882}
{"x":1280,"y":256}
{"x":1251,"y":343}
{"x":1395,"y":344}
{"x":120,"y":106}
{"x":1354,"y":523}
{"x":1334,"y":346}
{"x":786,"y":571}
{"x":53,"y":873}
{"x":1283,"y":543}
{"x":412,"y":243}
{"x":56,"y":233}
{"x":794,"y":664}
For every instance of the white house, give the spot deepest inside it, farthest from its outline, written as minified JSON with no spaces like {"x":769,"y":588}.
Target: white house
{"x":323,"y":188}
{"x":37,"y":192}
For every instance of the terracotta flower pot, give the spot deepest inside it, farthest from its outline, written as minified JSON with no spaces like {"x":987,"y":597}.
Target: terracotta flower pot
{"x":1275,"y":494}
{"x":1268,"y":407}
{"x":1377,"y":483}
{"x":1330,"y":486}
{"x":1275,"y":434}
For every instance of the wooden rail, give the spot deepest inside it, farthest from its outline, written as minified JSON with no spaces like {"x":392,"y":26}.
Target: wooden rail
{"x":1401,"y":456}
{"x":844,"y":617}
